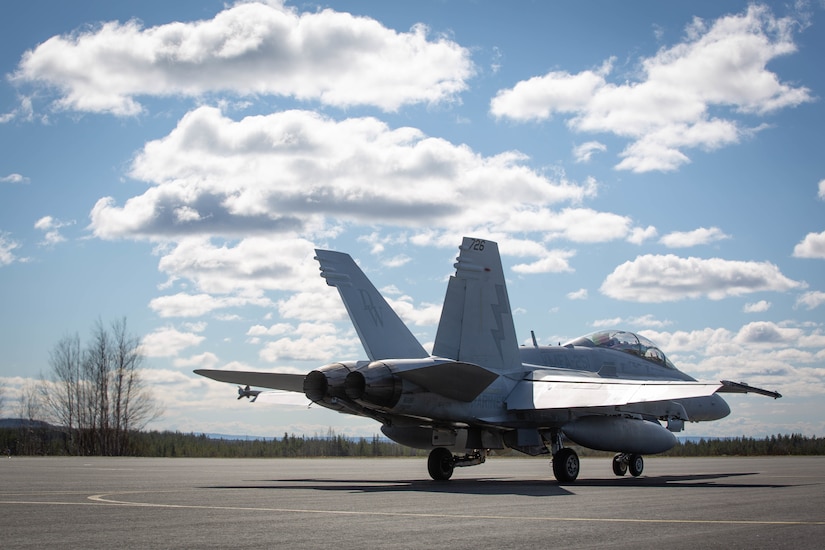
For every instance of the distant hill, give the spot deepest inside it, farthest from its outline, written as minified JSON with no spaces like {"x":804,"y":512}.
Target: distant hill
{"x":12,"y":423}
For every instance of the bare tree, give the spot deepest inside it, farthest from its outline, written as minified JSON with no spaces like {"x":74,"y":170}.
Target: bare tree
{"x":97,"y":370}
{"x":65,"y":391}
{"x":132,"y":404}
{"x":30,"y":412}
{"x":97,"y":395}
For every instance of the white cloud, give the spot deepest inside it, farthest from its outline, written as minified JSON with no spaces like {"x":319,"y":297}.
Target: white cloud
{"x":757,"y":307}
{"x":314,"y":305}
{"x":541,"y":96}
{"x":584,"y":152}
{"x":639,"y":235}
{"x":379,"y":241}
{"x":719,"y":68}
{"x":764,"y":332}
{"x":766,"y":354}
{"x":292,"y":171}
{"x":580,"y":294}
{"x":812,"y":246}
{"x":580,"y":225}
{"x":398,"y":261}
{"x":7,"y":247}
{"x":654,"y":278}
{"x":197,"y":305}
{"x":311,"y":342}
{"x":252,"y":264}
{"x":205,"y":360}
{"x":811,"y":300}
{"x":418,"y":315}
{"x":249,"y":49}
{"x":227,"y":200}
{"x":821,"y":193}
{"x":274,"y":330}
{"x":686,"y":239}
{"x":550,"y":261}
{"x":637,"y":324}
{"x":51,"y":226}
{"x":14,"y":178}
{"x":708,"y":340}
{"x":168,"y":342}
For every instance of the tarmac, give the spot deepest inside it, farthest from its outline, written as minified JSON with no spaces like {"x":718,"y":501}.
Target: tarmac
{"x":764,"y":502}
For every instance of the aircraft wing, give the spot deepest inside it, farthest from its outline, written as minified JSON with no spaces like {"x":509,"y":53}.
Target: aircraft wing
{"x":553,"y":391}
{"x":271,"y":380}
{"x":741,"y":387}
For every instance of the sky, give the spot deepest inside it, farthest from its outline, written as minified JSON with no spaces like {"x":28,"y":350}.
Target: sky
{"x":656,"y":167}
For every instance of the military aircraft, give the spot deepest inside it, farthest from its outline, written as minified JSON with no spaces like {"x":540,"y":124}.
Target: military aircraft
{"x":480,"y":390}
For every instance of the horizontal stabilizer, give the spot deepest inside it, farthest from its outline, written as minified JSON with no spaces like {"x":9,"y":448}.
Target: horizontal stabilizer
{"x":741,"y":387}
{"x":459,"y":381}
{"x":562,"y":392}
{"x":272,"y":380}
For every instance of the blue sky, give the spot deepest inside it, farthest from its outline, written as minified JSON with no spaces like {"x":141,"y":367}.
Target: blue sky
{"x":655,"y":167}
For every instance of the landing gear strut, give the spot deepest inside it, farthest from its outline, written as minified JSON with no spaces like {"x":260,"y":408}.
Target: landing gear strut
{"x":565,"y":460}
{"x":623,"y":462}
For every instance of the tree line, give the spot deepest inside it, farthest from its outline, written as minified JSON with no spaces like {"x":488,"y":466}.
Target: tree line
{"x":775,"y":445}
{"x":43,"y":439}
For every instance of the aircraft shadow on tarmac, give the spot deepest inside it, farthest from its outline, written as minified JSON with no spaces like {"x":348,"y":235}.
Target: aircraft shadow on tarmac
{"x":497,"y":486}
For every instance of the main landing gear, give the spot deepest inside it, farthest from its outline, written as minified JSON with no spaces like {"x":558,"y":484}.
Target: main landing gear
{"x":623,"y":462}
{"x":441,"y":462}
{"x":566,"y":465}
{"x":565,"y":462}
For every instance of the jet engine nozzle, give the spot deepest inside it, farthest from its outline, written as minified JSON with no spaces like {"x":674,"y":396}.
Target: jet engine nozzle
{"x":327,"y":382}
{"x":374,"y":383}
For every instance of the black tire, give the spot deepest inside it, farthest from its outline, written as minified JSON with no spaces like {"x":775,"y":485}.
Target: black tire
{"x":636,"y":465}
{"x":440,"y":464}
{"x":619,"y":465}
{"x":566,"y":465}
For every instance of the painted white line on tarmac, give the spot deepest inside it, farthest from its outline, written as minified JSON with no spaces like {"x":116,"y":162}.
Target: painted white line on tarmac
{"x":105,"y":498}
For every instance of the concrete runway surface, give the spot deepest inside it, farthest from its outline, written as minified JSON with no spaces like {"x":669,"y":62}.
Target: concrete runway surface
{"x":391,"y":503}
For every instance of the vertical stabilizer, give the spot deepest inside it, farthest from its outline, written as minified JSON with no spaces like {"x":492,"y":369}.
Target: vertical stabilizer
{"x":476,"y":322}
{"x":382,"y":333}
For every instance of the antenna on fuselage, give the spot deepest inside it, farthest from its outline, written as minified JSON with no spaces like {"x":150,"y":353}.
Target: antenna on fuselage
{"x":533,"y":335}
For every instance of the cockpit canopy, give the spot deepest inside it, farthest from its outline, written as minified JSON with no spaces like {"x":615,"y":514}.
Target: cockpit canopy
{"x":628,"y":342}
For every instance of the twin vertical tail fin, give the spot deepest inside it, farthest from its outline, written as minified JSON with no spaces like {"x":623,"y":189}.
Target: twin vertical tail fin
{"x":476,"y":321}
{"x":382,"y":333}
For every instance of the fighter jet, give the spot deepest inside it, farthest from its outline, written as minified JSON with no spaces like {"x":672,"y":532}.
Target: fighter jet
{"x":480,"y":390}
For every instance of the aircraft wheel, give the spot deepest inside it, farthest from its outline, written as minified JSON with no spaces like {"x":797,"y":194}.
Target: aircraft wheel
{"x":619,"y":465}
{"x":637,"y":464}
{"x":566,"y":465}
{"x":440,"y":464}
